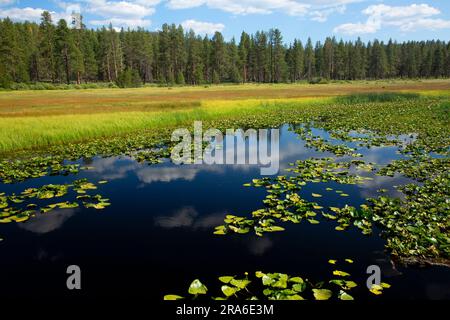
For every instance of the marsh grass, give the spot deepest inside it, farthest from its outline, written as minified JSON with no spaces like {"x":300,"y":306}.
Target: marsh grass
{"x":57,"y":102}
{"x":37,"y":120}
{"x":33,"y":132}
{"x":78,"y":109}
{"x":378,"y":97}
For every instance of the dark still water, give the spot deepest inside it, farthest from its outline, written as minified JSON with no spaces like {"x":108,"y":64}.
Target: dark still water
{"x":157,"y":236}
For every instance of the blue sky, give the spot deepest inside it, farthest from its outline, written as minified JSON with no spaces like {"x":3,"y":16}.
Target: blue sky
{"x":348,"y":19}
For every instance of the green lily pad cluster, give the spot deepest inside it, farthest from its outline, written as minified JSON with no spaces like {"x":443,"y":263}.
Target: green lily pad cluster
{"x":320,"y":144}
{"x":152,"y":156}
{"x":327,"y":169}
{"x":420,"y":168}
{"x":35,"y":167}
{"x":21,"y":207}
{"x":364,"y":138}
{"x":418,"y":226}
{"x":283,"y":202}
{"x":280,"y":286}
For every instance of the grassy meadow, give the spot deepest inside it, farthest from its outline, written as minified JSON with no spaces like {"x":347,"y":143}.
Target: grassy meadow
{"x":35,"y":119}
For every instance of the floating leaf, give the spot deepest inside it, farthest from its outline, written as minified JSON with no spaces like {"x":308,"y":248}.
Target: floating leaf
{"x":172,"y":297}
{"x":296,"y":280}
{"x":241,"y":284}
{"x":226,"y":279}
{"x":375,"y":291}
{"x":345,"y":296}
{"x":340,"y":273}
{"x":197,"y":287}
{"x":294,"y":297}
{"x":228,"y":291}
{"x":322,"y":294}
{"x":299,"y":287}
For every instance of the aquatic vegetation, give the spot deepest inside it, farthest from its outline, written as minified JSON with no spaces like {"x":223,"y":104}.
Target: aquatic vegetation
{"x":416,"y":228}
{"x":336,"y":118}
{"x":378,"y":97}
{"x":320,"y":144}
{"x":279,"y":286}
{"x":22,"y":169}
{"x":412,"y":227}
{"x":418,"y":168}
{"x":41,"y":119}
{"x":24,"y":206}
{"x":283,"y":203}
{"x":35,"y":167}
{"x":152,"y":156}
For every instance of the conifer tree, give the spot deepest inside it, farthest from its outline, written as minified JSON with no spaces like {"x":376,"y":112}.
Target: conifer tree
{"x":309,"y":60}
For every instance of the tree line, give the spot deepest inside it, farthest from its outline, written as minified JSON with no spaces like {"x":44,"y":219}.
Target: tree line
{"x":57,"y":53}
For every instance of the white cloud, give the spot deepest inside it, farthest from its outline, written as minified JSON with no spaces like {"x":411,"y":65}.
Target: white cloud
{"x":405,"y":18}
{"x":150,"y":175}
{"x":6,"y":2}
{"x":68,"y":6}
{"x":430,"y":24}
{"x":45,"y":223}
{"x":30,"y":14}
{"x":414,"y":10}
{"x":318,"y":10}
{"x":22,"y":14}
{"x":148,"y":3}
{"x":136,"y":13}
{"x":189,"y":217}
{"x":124,"y":9}
{"x":356,"y":28}
{"x":201,"y":27}
{"x":259,"y":246}
{"x":34,"y":14}
{"x":184,"y":217}
{"x":122,"y":22}
{"x":244,"y":7}
{"x":128,"y":14}
{"x":323,"y":14}
{"x":185,"y":4}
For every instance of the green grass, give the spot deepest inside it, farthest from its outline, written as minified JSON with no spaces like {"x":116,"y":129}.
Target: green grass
{"x":34,"y":132}
{"x":378,"y":97}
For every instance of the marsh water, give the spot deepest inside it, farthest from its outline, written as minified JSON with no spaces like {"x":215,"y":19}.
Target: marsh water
{"x":157,"y":236}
